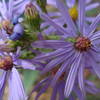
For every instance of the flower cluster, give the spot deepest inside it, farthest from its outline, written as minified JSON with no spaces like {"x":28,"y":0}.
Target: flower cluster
{"x":58,"y":38}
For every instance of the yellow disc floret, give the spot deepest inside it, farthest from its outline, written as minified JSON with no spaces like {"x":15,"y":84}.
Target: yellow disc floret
{"x":73,"y":13}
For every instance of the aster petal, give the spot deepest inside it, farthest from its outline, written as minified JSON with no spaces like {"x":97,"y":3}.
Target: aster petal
{"x":88,"y":1}
{"x":71,"y":98}
{"x":81,"y":15}
{"x":16,"y":87}
{"x":68,"y":19}
{"x":90,"y":19}
{"x":53,"y":44}
{"x":2,"y":84}
{"x":94,"y":24}
{"x":40,"y":84}
{"x":81,"y":77}
{"x":42,"y":90}
{"x":62,"y":69}
{"x":4,"y":5}
{"x":18,"y":52}
{"x":49,"y":30}
{"x":78,"y":93}
{"x":60,"y":29}
{"x":24,"y":64}
{"x":51,"y":2}
{"x":52,"y":64}
{"x":3,"y":9}
{"x":70,"y":3}
{"x":17,"y":2}
{"x":92,"y":6}
{"x":56,"y":62}
{"x":72,"y":75}
{"x":19,"y":9}
{"x":94,"y":64}
{"x":96,"y":50}
{"x":10,"y":9}
{"x":95,"y":36}
{"x":51,"y":55}
{"x":3,"y":34}
{"x":91,"y":88}
{"x":61,"y":91}
{"x":54,"y":92}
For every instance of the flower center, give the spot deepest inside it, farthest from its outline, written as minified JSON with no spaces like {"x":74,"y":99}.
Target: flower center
{"x":6,"y":63}
{"x":54,"y":71}
{"x":73,"y":13}
{"x":82,"y":44}
{"x":7,"y":25}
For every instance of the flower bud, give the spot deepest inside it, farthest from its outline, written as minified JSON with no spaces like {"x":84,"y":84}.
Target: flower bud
{"x":32,"y":17}
{"x":31,"y":11}
{"x":17,"y":32}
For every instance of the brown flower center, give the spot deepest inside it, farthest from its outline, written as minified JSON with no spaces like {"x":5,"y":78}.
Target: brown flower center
{"x":6,"y":63}
{"x":7,"y":25}
{"x":82,"y":44}
{"x":54,"y":71}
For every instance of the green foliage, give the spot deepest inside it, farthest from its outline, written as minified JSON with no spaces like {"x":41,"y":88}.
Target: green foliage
{"x":73,"y":40}
{"x":26,"y":54}
{"x":29,"y":78}
{"x":52,"y":37}
{"x":31,"y":18}
{"x":42,"y":4}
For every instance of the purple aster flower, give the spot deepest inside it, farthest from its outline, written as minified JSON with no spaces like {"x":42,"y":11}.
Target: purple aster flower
{"x":73,"y":10}
{"x":76,"y":52}
{"x":58,"y":88}
{"x":10,"y":12}
{"x":8,"y":64}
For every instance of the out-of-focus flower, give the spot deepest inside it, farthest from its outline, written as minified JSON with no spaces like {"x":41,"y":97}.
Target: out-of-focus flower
{"x":10,"y":12}
{"x":73,"y":11}
{"x":8,"y":64}
{"x":58,"y":88}
{"x":74,"y":52}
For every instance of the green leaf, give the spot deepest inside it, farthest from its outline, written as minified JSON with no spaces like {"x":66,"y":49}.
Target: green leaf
{"x":29,"y":79}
